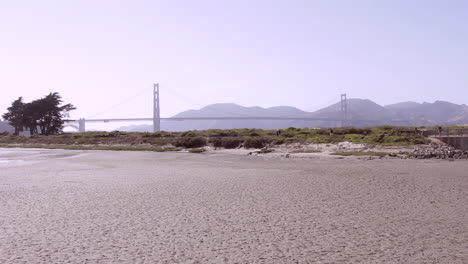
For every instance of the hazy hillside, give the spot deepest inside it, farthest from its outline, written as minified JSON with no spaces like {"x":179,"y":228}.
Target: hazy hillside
{"x":234,"y":110}
{"x":437,"y":113}
{"x":461,"y":117}
{"x":361,"y":112}
{"x":6,"y":127}
{"x":402,"y":106}
{"x":230,"y":110}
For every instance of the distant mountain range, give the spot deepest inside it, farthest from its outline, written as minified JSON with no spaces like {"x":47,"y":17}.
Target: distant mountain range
{"x":4,"y":126}
{"x":361,"y":112}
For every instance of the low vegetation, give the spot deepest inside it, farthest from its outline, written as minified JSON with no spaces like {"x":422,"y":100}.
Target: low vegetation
{"x":256,"y":142}
{"x":365,"y":153}
{"x":229,"y":139}
{"x":191,"y":142}
{"x":227,"y":143}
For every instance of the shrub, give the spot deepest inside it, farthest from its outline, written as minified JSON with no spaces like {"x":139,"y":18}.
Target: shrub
{"x":278,"y":140}
{"x":222,"y":133}
{"x":188,"y":134}
{"x":355,"y":138}
{"x":255,"y":142}
{"x":319,"y":138}
{"x":155,"y":134}
{"x":107,"y":134}
{"x":352,"y":130}
{"x":322,"y":131}
{"x":191,"y":142}
{"x":295,"y":139}
{"x":288,"y":135}
{"x":227,"y":143}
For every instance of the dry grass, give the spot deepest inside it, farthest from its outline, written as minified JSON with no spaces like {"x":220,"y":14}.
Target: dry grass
{"x":365,"y":153}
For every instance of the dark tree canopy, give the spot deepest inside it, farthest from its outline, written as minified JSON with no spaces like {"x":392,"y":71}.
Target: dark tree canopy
{"x":15,"y":115}
{"x":42,"y":116}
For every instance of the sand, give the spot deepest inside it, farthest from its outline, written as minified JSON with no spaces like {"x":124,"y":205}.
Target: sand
{"x":143,"y":207}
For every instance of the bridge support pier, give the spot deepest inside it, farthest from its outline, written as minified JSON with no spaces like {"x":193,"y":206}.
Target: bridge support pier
{"x":81,"y":125}
{"x":156,"y":109}
{"x":344,"y":111}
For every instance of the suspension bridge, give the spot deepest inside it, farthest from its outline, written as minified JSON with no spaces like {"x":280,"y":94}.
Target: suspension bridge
{"x":80,"y":124}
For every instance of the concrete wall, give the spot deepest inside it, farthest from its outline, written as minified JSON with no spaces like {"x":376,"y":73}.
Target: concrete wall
{"x":456,"y":142}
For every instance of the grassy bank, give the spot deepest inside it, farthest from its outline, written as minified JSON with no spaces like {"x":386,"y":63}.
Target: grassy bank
{"x":232,"y":138}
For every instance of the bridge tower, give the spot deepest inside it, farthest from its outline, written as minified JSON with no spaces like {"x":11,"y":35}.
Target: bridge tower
{"x":156,"y":109}
{"x":81,"y":125}
{"x":344,"y":111}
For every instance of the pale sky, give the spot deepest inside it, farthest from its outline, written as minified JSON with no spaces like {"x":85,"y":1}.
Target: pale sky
{"x":98,"y":54}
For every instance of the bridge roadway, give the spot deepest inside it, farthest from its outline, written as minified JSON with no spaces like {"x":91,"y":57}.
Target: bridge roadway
{"x":81,"y":122}
{"x":106,"y":120}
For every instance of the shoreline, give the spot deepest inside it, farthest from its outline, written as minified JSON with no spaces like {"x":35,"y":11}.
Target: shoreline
{"x":342,"y":150}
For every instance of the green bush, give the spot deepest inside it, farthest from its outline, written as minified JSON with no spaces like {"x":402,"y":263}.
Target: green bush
{"x":295,"y":139}
{"x":188,"y":134}
{"x":155,"y":134}
{"x":278,"y":140}
{"x":107,"y":134}
{"x":222,"y":133}
{"x":352,"y":130}
{"x":322,"y":131}
{"x":355,"y":138}
{"x":227,"y":143}
{"x":191,"y":142}
{"x":293,"y":129}
{"x":255,"y":142}
{"x":288,"y":135}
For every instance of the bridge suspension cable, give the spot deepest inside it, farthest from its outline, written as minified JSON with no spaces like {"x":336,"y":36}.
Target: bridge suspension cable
{"x":231,"y":115}
{"x":323,"y":105}
{"x":123,"y":102}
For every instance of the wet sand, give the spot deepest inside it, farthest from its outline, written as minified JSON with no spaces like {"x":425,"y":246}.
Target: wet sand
{"x":142,"y":207}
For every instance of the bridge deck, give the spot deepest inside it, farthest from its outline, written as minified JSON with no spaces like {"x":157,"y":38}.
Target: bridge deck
{"x":212,"y":118}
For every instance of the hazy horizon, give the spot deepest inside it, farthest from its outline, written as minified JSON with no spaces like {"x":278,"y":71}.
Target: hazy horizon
{"x":104,"y":56}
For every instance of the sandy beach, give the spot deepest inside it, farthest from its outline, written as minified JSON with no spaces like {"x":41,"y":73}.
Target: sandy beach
{"x":143,"y":207}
